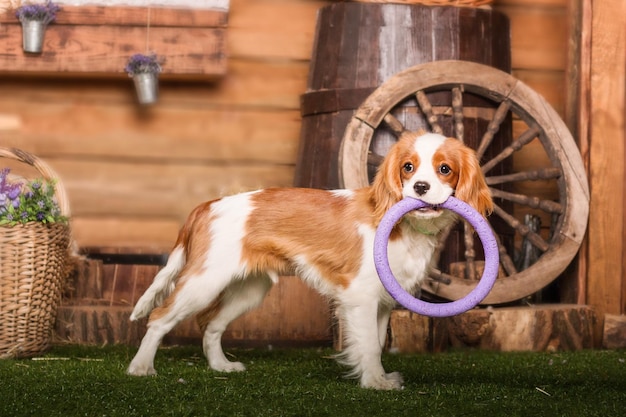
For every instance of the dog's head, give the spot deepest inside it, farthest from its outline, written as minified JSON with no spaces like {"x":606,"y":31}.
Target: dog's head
{"x":430,"y":167}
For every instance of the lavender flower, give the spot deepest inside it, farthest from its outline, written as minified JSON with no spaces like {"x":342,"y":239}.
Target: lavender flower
{"x":13,"y":193}
{"x":30,"y":202}
{"x":140,"y":64}
{"x":45,"y":13}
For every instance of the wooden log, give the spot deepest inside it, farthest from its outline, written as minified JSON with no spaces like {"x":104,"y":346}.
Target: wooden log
{"x":99,"y":299}
{"x":614,"y":335}
{"x":410,"y":333}
{"x":98,"y":325}
{"x":537,"y":328}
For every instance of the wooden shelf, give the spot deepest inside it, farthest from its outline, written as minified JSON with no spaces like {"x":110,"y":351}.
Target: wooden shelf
{"x":98,"y":40}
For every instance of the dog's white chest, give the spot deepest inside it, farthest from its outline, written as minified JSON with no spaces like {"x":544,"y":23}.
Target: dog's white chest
{"x":409,"y":259}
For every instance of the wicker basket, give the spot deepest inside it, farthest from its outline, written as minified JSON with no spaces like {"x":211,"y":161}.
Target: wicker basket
{"x":467,"y":3}
{"x":34,"y":262}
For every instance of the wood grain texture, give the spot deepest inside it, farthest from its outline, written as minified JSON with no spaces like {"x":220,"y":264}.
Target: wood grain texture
{"x":546,"y":328}
{"x":99,"y":299}
{"x":99,"y":40}
{"x":605,"y":283}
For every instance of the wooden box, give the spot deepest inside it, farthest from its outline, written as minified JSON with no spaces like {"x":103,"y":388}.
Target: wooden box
{"x":100,"y":297}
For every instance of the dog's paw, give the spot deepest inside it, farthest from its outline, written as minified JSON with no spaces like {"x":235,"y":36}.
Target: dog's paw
{"x":392,"y":381}
{"x":395,"y":377}
{"x":140,"y":370}
{"x":229,"y":367}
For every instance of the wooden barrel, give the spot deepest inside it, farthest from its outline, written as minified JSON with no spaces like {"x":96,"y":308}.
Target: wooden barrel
{"x":359,"y":45}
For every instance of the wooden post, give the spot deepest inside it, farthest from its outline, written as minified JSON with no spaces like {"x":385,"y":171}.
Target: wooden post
{"x":605,"y":284}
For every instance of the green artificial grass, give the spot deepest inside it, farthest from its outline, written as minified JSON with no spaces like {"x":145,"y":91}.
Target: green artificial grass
{"x":91,"y":381}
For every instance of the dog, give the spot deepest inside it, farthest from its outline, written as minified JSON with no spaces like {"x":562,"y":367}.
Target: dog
{"x":232,"y":250}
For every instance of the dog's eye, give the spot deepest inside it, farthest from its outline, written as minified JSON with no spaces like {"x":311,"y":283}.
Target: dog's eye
{"x":408,"y":167}
{"x":445,"y":169}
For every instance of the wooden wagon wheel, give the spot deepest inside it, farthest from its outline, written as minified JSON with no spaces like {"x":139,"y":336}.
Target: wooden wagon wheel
{"x":540,"y":127}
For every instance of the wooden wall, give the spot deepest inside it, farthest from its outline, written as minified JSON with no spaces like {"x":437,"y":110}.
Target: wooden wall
{"x":133,"y":174}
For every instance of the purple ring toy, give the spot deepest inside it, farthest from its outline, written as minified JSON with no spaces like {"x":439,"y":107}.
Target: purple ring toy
{"x":381,"y":261}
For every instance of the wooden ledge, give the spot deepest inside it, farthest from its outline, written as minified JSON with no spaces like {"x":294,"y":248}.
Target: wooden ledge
{"x":97,"y":41}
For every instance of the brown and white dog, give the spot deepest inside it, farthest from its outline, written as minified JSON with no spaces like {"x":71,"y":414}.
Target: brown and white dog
{"x":230,"y":252}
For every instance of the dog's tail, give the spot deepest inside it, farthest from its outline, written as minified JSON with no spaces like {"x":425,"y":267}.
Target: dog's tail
{"x":162,"y":286}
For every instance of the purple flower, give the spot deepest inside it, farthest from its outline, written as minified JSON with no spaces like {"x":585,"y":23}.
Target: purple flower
{"x":45,"y":13}
{"x":40,"y":216}
{"x":14,"y":192}
{"x":140,"y":63}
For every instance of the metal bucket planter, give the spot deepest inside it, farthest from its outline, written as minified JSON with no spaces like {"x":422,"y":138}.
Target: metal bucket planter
{"x":33,"y":32}
{"x":147,"y":87}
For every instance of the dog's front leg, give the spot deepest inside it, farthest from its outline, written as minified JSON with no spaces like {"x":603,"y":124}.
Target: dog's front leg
{"x":364,"y":345}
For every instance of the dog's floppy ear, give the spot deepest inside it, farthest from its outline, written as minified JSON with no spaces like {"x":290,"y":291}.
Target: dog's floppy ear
{"x":387,"y":186}
{"x":471,"y":186}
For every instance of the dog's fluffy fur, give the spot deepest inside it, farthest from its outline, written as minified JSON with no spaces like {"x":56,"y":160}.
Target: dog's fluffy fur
{"x":231,"y":251}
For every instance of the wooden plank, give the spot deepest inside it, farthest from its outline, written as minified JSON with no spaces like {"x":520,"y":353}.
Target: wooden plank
{"x":268,"y":85}
{"x":134,"y":16}
{"x":606,"y":227}
{"x":125,"y":231}
{"x":158,"y":190}
{"x":538,"y":38}
{"x":195,"y":135}
{"x":89,"y":50}
{"x":98,"y":40}
{"x":530,"y":3}
{"x":550,"y":84}
{"x":259,"y":30}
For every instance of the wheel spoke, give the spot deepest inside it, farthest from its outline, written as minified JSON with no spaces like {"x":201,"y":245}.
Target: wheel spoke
{"x":438,"y":276}
{"x":457,"y":110}
{"x":493,"y":127}
{"x":538,"y":174}
{"x":505,"y":260}
{"x":548,"y":206}
{"x":394,"y":125}
{"x":522,"y":229}
{"x":427,"y":109}
{"x":523,"y":140}
{"x":470,"y":253}
{"x":528,"y":253}
{"x":374,"y":159}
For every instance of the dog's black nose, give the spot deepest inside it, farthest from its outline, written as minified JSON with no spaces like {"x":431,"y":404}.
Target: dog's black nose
{"x":421,"y":187}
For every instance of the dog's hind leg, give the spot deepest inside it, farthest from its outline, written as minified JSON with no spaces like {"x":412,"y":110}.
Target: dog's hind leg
{"x":239,"y":297}
{"x":191,"y":295}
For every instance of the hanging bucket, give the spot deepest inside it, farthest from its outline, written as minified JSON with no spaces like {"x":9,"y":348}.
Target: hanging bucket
{"x":147,"y":87}
{"x":33,"y":32}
